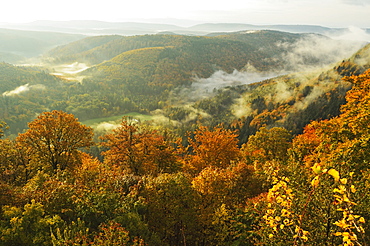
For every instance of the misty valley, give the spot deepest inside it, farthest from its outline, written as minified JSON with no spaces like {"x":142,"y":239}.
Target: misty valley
{"x":207,"y":135}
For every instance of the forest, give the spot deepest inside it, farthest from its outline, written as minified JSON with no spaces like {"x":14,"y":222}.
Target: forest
{"x":281,"y":159}
{"x":156,"y":74}
{"x":149,"y":187}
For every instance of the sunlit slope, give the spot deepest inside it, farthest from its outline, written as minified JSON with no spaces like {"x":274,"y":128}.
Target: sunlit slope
{"x":251,"y":46}
{"x":146,"y":75}
{"x":70,"y":52}
{"x":289,"y":101}
{"x":171,"y":60}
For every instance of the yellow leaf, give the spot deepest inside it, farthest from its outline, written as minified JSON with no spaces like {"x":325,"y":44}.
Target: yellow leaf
{"x":353,"y":189}
{"x":315,"y":181}
{"x":316,"y":168}
{"x":335,"y":174}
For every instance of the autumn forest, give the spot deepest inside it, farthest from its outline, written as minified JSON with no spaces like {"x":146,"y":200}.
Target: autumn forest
{"x":280,"y":160}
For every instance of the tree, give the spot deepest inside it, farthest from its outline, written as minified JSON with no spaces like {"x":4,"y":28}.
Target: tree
{"x":14,"y":168}
{"x":172,"y":208}
{"x":322,"y":196}
{"x":2,"y":127}
{"x":267,"y":150}
{"x":53,"y":140}
{"x":28,"y":226}
{"x":217,"y":148}
{"x":139,"y":150}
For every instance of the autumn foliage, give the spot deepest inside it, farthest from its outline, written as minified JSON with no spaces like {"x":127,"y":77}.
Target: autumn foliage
{"x":53,"y":140}
{"x":148,"y":188}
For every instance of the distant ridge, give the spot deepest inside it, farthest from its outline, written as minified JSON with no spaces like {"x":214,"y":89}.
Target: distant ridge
{"x":93,"y":27}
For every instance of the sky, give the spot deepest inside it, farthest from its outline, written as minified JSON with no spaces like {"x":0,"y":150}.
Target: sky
{"x":330,"y":13}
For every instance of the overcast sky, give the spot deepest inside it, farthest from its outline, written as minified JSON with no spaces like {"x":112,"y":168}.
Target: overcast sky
{"x":331,"y":13}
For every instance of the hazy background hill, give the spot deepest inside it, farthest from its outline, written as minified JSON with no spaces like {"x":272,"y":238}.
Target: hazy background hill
{"x":19,"y":41}
{"x":16,"y":45}
{"x":90,"y":27}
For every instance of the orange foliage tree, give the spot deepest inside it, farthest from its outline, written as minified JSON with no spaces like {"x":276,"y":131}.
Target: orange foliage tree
{"x":217,"y":148}
{"x":139,"y":150}
{"x":53,"y":140}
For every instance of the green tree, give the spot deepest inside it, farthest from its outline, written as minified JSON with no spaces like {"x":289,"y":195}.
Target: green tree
{"x":267,"y":150}
{"x":172,"y":208}
{"x":28,"y":226}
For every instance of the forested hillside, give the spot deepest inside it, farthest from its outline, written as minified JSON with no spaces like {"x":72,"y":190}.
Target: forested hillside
{"x":94,"y":50}
{"x":174,"y":78}
{"x":150,"y":189}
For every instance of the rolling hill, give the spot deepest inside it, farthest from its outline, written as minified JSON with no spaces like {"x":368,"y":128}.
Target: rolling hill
{"x":290,"y":101}
{"x":158,"y":74}
{"x":26,"y":44}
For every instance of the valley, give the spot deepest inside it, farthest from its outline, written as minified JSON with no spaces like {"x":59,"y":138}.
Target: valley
{"x":69,"y":71}
{"x":215,"y":134}
{"x":182,"y":79}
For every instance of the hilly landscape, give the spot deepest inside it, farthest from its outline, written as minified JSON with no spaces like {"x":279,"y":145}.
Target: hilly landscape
{"x":232,"y":136}
{"x":173,"y":77}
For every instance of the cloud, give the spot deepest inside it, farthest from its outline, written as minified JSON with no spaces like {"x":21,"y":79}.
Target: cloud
{"x":353,"y":33}
{"x":356,"y":2}
{"x":23,"y":89}
{"x":204,"y":87}
{"x":315,"y":51}
{"x":316,"y":92}
{"x":240,"y":108}
{"x":282,"y":91}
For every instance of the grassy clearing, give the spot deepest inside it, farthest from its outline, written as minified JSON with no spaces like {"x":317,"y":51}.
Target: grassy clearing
{"x":116,"y":119}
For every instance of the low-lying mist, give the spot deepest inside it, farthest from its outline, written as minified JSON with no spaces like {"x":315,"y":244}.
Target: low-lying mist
{"x":69,"y":71}
{"x":311,"y":53}
{"x":304,"y":61}
{"x":23,"y":89}
{"x":204,"y":87}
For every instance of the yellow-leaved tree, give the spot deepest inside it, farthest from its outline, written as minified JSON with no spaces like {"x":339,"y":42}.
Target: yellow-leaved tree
{"x":322,"y":196}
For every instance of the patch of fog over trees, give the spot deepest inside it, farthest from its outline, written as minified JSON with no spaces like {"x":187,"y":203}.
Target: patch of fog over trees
{"x":312,"y":53}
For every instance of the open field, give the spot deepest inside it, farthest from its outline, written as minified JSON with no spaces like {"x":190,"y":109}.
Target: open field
{"x":116,"y":119}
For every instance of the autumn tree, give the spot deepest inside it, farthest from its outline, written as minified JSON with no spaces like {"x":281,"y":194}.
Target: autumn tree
{"x":217,"y":147}
{"x":221,"y":179}
{"x":322,"y":197}
{"x":267,"y":150}
{"x":2,"y":127}
{"x":139,"y":150}
{"x":53,"y":140}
